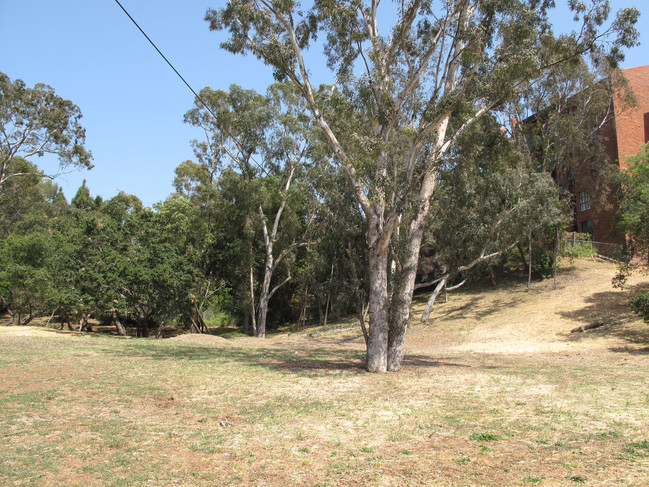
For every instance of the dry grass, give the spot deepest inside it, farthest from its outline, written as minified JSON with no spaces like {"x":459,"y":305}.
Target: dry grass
{"x":495,"y":391}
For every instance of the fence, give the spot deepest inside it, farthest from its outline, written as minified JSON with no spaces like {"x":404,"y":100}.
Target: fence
{"x":577,"y":241}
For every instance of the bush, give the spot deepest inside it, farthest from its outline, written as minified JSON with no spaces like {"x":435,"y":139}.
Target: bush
{"x":543,"y":263}
{"x":577,"y":245}
{"x":640,"y":305}
{"x":579,"y":249}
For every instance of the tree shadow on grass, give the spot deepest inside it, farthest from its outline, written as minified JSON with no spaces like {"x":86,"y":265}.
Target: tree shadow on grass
{"x":612,"y":309}
{"x":309,"y":361}
{"x":630,"y":351}
{"x":422,"y":361}
{"x":473,"y":310}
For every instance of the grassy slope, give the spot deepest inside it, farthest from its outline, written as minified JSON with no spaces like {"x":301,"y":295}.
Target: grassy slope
{"x":494,"y":391}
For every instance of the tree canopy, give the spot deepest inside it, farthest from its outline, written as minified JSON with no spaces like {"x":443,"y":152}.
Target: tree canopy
{"x":35,"y":121}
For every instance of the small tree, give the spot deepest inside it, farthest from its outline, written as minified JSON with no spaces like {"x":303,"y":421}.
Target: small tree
{"x":632,"y":195}
{"x":488,"y":200}
{"x":263,"y":142}
{"x":632,"y":220}
{"x":24,"y":274}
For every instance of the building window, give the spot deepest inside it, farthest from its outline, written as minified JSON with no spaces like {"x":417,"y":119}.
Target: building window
{"x":646,"y":127}
{"x":587,"y":227}
{"x":584,"y":201}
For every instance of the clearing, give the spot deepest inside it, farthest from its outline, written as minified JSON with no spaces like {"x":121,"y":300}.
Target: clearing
{"x":495,"y":391}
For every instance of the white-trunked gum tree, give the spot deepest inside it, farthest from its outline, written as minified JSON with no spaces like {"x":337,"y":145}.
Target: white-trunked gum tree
{"x":410,"y":78}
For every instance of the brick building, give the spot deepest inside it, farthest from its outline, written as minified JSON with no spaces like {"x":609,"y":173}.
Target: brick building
{"x":623,"y":133}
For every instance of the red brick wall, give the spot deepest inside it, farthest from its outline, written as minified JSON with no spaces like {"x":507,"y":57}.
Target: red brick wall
{"x":623,"y":135}
{"x":630,"y":122}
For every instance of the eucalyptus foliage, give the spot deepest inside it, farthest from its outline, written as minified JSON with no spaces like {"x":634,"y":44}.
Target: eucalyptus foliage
{"x":35,"y":121}
{"x":406,"y":81}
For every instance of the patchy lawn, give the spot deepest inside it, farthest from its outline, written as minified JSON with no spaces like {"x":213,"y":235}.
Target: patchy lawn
{"x":495,"y":391}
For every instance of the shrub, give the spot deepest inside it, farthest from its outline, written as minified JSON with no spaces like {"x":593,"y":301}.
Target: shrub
{"x":640,"y":305}
{"x":543,"y":263}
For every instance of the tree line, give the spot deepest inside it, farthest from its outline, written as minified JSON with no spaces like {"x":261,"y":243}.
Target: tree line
{"x":416,"y":169}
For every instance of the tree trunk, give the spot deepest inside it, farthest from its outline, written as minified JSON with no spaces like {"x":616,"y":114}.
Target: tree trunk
{"x":253,"y":310}
{"x":12,"y":316}
{"x":556,"y":259}
{"x":522,"y":254}
{"x":264,"y":295}
{"x":433,"y":297}
{"x":194,"y":328}
{"x":377,"y":343}
{"x":402,"y":297}
{"x":121,"y":331}
{"x":200,"y":319}
{"x":529,"y":269}
{"x":327,"y":306}
{"x":492,"y":276}
{"x":66,"y":320}
{"x":158,"y":333}
{"x":142,"y":324}
{"x":143,"y":328}
{"x":262,"y":311}
{"x":320,"y":310}
{"x":51,"y":316}
{"x":246,"y":323}
{"x":305,"y":307}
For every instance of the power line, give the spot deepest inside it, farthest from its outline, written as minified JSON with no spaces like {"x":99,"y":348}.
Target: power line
{"x":168,"y":62}
{"x":198,"y":97}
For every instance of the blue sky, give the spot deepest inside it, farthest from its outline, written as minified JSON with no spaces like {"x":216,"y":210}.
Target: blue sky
{"x":133,"y":103}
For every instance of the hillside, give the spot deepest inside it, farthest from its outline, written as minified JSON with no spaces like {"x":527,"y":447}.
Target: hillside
{"x":509,"y":319}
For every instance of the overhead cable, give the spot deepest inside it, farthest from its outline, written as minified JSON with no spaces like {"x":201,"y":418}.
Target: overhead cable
{"x":198,"y":97}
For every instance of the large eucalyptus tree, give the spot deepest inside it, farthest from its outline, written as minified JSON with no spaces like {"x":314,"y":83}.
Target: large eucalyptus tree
{"x":410,"y":78}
